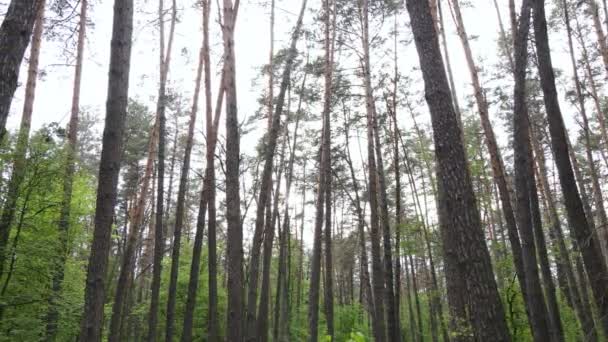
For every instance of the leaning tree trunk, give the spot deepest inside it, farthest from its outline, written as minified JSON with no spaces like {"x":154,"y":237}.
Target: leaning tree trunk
{"x":19,"y":155}
{"x":462,"y":236}
{"x":128,"y":259}
{"x":68,"y":180}
{"x":182,"y":188}
{"x":594,"y":264}
{"x":15,"y":33}
{"x":109,"y":168}
{"x":498,"y":169}
{"x":266,"y":182}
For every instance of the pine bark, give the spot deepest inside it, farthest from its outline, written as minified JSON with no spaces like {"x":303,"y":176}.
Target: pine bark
{"x":498,"y":169}
{"x":19,"y":161}
{"x":378,"y":276}
{"x":128,"y":258}
{"x":233,"y":204}
{"x":161,"y":104}
{"x":15,"y":33}
{"x":590,"y":247}
{"x":472,"y":266}
{"x":324,"y":168}
{"x":116,"y":110}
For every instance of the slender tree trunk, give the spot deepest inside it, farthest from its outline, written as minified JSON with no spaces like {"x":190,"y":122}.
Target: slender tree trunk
{"x":128,"y":259}
{"x":19,"y":155}
{"x":233,"y":204}
{"x":563,"y":257}
{"x":183,"y":184}
{"x":498,"y":169}
{"x":118,"y":86}
{"x":266,"y":182}
{"x":324,"y":170}
{"x":537,"y":310}
{"x":207,"y":199}
{"x":15,"y":33}
{"x":282,"y":321}
{"x":464,"y":237}
{"x":599,"y":31}
{"x":68,"y":180}
{"x":594,"y":264}
{"x":378,"y":277}
{"x":365,"y":278}
{"x":329,"y":274}
{"x":159,"y":242}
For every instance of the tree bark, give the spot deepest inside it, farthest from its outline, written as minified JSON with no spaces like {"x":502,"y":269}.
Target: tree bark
{"x":116,"y":110}
{"x":15,"y":33}
{"x":378,"y":276}
{"x":472,"y":266}
{"x":161,"y":104}
{"x":233,"y":204}
{"x":594,"y":264}
{"x":19,"y":155}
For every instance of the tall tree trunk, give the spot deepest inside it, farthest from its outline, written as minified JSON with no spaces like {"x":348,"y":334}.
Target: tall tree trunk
{"x":594,"y":264}
{"x":563,"y":257}
{"x":392,"y":109}
{"x":109,"y":168}
{"x":448,"y":63}
{"x":183,"y":182}
{"x":68,"y":180}
{"x":128,"y":259}
{"x":233,"y":204}
{"x":498,"y":169}
{"x":464,"y":237}
{"x":593,"y":89}
{"x":599,"y":31}
{"x":282,"y":322}
{"x":537,"y":310}
{"x":15,"y":33}
{"x":378,"y":278}
{"x":364,"y":264}
{"x":266,"y":182}
{"x":19,"y":155}
{"x":324,"y":168}
{"x":329,"y":274}
{"x":161,"y":104}
{"x":207,"y":199}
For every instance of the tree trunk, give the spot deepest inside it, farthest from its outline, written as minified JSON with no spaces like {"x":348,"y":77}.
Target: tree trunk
{"x":233,"y":204}
{"x":15,"y":33}
{"x":159,"y":242}
{"x":183,"y":183}
{"x":19,"y":155}
{"x":563,"y":257}
{"x":128,"y":259}
{"x":463,"y":238}
{"x":68,"y":180}
{"x":324,"y":172}
{"x":116,"y":110}
{"x":266,"y":182}
{"x":596,"y":268}
{"x":378,"y":277}
{"x":498,"y":169}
